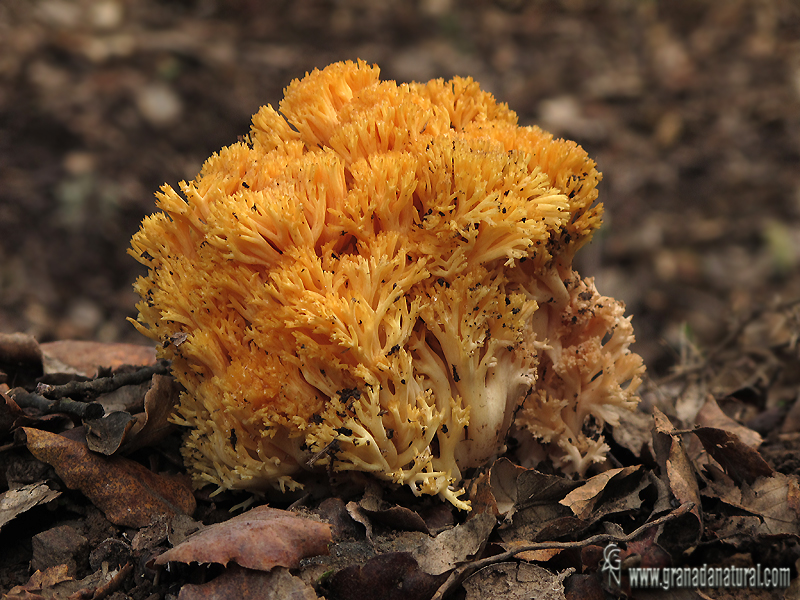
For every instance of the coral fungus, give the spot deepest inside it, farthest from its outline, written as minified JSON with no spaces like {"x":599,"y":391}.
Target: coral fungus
{"x":379,"y":278}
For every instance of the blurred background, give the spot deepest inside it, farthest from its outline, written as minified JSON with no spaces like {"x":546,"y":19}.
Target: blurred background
{"x":691,"y":109}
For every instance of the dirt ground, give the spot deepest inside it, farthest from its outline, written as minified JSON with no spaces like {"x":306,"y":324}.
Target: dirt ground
{"x":691,"y":109}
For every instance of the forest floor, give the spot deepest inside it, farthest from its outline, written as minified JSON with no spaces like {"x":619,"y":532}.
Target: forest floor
{"x":692,"y":111}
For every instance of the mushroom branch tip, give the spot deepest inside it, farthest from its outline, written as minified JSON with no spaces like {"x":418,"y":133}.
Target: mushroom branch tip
{"x":379,"y":278}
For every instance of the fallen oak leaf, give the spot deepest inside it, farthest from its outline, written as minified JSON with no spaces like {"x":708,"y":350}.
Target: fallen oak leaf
{"x":776,"y":500}
{"x":10,"y":414}
{"x":507,"y":489}
{"x":516,"y":581}
{"x":460,"y":573}
{"x":535,"y":512}
{"x":711,"y":416}
{"x":677,"y":471}
{"x":261,"y":538}
{"x":120,"y":432}
{"x":454,"y":546}
{"x":390,"y":576}
{"x":128,"y":493}
{"x":16,"y":501}
{"x":87,"y":358}
{"x":105,"y":435}
{"x":396,"y":517}
{"x":582,"y":500}
{"x":741,"y":461}
{"x":153,"y":423}
{"x":39,"y":581}
{"x":245,"y":584}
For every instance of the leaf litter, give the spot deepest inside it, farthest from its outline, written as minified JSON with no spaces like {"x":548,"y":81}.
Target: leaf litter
{"x":689,"y":482}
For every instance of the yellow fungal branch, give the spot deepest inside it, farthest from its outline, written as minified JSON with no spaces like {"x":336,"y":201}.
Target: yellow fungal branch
{"x":383,"y":272}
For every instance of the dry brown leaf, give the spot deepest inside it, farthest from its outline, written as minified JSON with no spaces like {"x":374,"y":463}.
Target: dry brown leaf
{"x":128,"y":398}
{"x":261,"y":538}
{"x":19,"y":500}
{"x":391,"y":576}
{"x":495,"y":490}
{"x":515,"y":581}
{"x":128,"y":493}
{"x":771,"y":507}
{"x":105,"y":435}
{"x":55,"y":585}
{"x":508,"y":489}
{"x":529,"y":500}
{"x":10,"y":414}
{"x":152,"y":425}
{"x":711,"y":415}
{"x":86,"y":358}
{"x":453,"y":546}
{"x":396,"y":517}
{"x":740,"y":461}
{"x":583,"y":499}
{"x":634,"y":431}
{"x":777,"y":500}
{"x":676,"y":469}
{"x":245,"y":584}
{"x":120,"y":432}
{"x":39,"y":581}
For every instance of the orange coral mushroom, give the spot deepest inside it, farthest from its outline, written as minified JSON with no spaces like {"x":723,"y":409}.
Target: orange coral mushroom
{"x":386,"y":267}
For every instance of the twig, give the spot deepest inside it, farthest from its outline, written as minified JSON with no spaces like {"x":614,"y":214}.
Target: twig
{"x":84,"y":410}
{"x":463,"y":571}
{"x":101,"y":385}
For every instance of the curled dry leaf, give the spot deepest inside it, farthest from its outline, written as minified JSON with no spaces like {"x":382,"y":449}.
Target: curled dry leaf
{"x":776,"y":499}
{"x":582,"y":500}
{"x":391,"y":576}
{"x":529,"y":501}
{"x":128,"y":398}
{"x":40,"y":580}
{"x":261,"y":538}
{"x":55,"y":584}
{"x":711,"y":415}
{"x":453,"y":546}
{"x":678,"y":473}
{"x":515,"y":581}
{"x":128,"y":493}
{"x":105,"y":435}
{"x":10,"y":414}
{"x":246,"y":585}
{"x":397,"y":517}
{"x":87,"y":358}
{"x":17,"y":501}
{"x":634,"y":432}
{"x":121,"y":432}
{"x":740,"y":461}
{"x":508,"y":488}
{"x":152,"y":425}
